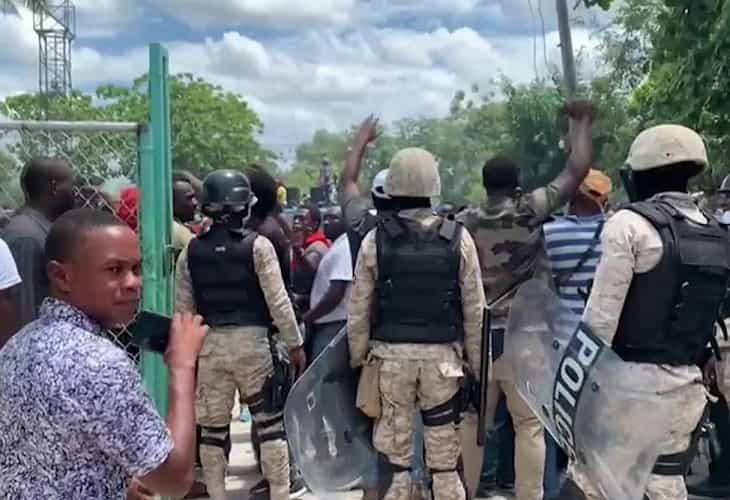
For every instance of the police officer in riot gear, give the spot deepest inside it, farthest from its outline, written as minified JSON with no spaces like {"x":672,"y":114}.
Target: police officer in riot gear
{"x":416,"y":306}
{"x":663,"y":275}
{"x":231,"y":276}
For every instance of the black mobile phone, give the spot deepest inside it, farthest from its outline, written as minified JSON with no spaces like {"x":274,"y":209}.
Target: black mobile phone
{"x":151,"y":331}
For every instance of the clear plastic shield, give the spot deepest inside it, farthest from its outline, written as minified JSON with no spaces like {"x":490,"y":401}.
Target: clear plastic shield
{"x":604,"y":414}
{"x":329,"y":437}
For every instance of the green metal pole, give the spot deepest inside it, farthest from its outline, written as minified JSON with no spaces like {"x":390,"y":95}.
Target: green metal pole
{"x":155,"y":180}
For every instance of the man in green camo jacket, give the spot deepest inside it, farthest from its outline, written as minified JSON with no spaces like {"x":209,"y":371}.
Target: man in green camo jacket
{"x":507,"y":232}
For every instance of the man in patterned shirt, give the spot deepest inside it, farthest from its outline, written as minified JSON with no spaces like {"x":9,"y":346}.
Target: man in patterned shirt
{"x":75,"y":422}
{"x":506,"y":230}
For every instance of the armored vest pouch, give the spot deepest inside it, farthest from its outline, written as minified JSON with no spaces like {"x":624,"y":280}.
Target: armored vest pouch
{"x":670,"y":311}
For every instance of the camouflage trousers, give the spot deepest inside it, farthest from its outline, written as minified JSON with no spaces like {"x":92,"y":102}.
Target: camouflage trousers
{"x":473,"y":453}
{"x":230,"y":360}
{"x":405,"y":386}
{"x":682,"y":385}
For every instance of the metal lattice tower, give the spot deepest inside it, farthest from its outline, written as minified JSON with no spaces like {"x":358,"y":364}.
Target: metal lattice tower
{"x":55,"y":25}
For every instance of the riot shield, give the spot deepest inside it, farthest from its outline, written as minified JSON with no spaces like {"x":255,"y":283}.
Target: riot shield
{"x":604,"y":414}
{"x":329,"y":437}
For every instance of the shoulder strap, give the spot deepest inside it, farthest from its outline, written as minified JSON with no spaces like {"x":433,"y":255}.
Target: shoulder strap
{"x":249,"y":238}
{"x":448,"y":228}
{"x":658,"y":213}
{"x":563,"y":277}
{"x":392,"y":225}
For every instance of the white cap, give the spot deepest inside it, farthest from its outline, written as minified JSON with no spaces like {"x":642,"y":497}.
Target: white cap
{"x":666,"y":145}
{"x":378,"y":187}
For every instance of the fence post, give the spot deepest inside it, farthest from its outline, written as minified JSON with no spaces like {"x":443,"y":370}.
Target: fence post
{"x":155,"y":178}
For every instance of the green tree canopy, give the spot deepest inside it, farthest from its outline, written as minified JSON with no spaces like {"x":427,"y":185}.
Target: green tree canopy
{"x":211,"y":128}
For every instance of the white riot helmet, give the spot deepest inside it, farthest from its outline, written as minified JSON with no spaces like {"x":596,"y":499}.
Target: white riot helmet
{"x":378,"y":187}
{"x":413,"y":173}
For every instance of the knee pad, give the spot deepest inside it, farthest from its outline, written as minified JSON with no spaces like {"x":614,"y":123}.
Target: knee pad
{"x":268,"y":430}
{"x":386,"y":471}
{"x":215,"y":436}
{"x":445,"y":413}
{"x":459,"y":469}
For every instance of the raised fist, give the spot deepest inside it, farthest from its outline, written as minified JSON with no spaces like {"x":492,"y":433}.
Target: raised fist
{"x":579,"y":110}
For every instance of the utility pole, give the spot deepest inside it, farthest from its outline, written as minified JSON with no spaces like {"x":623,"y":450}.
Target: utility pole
{"x":566,"y":48}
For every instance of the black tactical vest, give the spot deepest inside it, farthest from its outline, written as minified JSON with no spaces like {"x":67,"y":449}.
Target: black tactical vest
{"x":670,"y":311}
{"x":418,"y":292}
{"x":225,"y":286}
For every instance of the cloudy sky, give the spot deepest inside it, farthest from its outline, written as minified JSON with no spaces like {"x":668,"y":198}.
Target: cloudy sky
{"x":306,"y":64}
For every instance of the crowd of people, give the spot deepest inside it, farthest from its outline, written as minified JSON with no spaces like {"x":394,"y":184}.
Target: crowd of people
{"x":409,"y":281}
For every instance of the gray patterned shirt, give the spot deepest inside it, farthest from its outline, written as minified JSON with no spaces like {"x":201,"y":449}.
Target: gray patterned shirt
{"x":75,"y":421}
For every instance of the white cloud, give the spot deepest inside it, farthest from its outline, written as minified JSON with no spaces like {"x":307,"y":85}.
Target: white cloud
{"x":91,"y":67}
{"x":324,"y":78}
{"x":20,"y":43}
{"x":277,"y":13}
{"x":333,"y":80}
{"x":350,"y":13}
{"x":104,"y":18}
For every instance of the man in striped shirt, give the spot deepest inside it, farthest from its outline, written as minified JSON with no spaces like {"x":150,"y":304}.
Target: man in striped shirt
{"x":572,"y":241}
{"x":573,"y":247}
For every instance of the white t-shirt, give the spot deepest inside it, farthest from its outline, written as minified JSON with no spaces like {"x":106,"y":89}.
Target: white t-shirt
{"x":9,"y":276}
{"x":336,"y":265}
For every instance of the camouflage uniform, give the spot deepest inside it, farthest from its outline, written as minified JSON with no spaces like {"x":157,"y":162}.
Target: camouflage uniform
{"x":723,"y":367}
{"x":507,"y":233}
{"x":416,"y":375}
{"x":631,"y":245}
{"x":239,"y":358}
{"x":181,"y":236}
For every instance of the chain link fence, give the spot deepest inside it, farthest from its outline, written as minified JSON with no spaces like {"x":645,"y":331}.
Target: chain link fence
{"x":104,"y":156}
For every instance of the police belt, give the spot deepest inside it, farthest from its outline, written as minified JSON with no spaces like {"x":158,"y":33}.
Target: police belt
{"x":228,"y":328}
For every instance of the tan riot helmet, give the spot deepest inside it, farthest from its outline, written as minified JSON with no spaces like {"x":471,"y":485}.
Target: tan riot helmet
{"x":664,"y":145}
{"x":413,"y":173}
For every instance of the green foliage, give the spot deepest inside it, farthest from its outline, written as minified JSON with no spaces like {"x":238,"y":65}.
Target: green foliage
{"x":211,"y":128}
{"x":522,"y":124}
{"x":305,"y":172}
{"x":532,"y":133}
{"x":604,"y":4}
{"x":687,"y":80}
{"x":10,"y":193}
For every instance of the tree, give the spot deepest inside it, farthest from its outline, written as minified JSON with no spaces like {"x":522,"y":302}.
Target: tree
{"x":10,"y":193}
{"x":532,"y":131}
{"x":604,"y":4}
{"x":304,"y":174}
{"x":687,"y":78}
{"x":211,"y":128}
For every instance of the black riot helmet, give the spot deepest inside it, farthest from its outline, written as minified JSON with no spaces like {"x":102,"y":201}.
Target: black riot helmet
{"x":226,"y":192}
